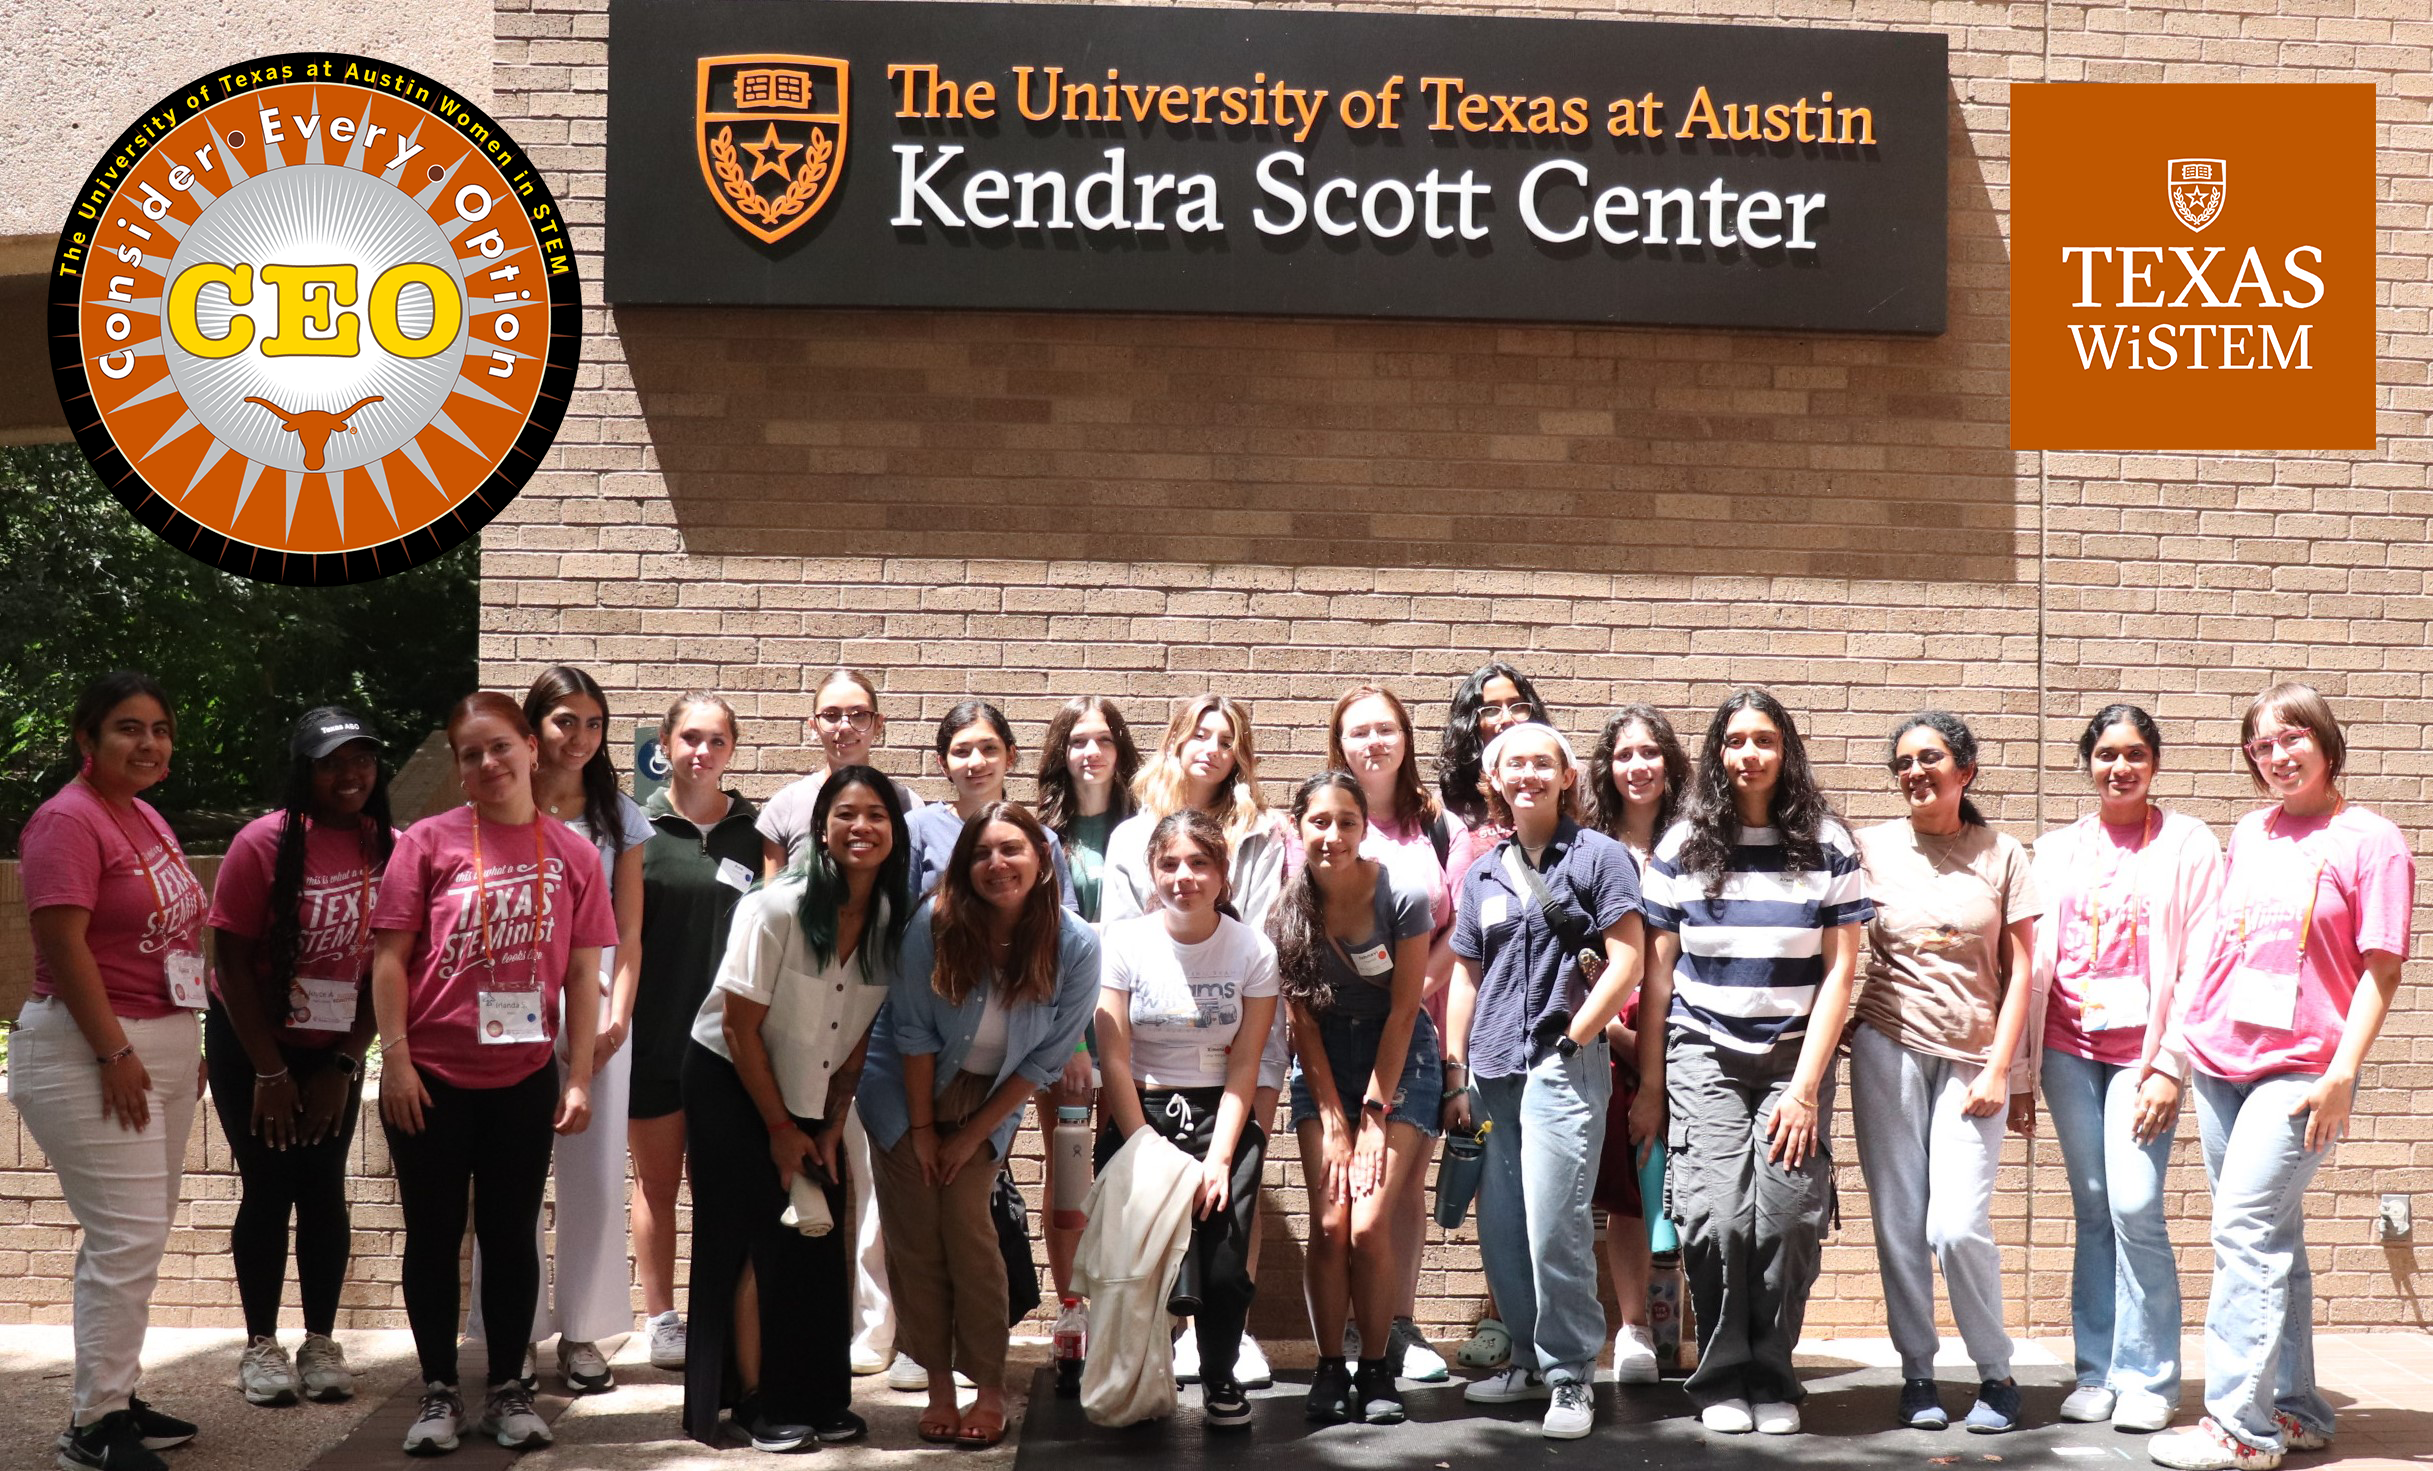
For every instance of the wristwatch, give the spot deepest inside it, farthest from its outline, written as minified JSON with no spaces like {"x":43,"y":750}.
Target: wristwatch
{"x":1566,"y":1048}
{"x":345,"y":1061}
{"x":1373,"y":1105}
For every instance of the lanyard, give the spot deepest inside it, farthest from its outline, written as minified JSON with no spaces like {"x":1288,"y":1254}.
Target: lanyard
{"x":2094,"y":900}
{"x":481,"y":896}
{"x":2314,"y":886}
{"x":160,"y":901}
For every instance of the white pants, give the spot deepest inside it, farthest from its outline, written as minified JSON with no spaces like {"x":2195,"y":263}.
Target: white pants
{"x":121,"y":1184}
{"x":587,"y":1290}
{"x":873,"y":1310}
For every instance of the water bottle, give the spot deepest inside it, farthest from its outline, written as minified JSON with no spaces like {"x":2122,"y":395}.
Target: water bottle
{"x":1664,"y":1312}
{"x":1071,"y":1147}
{"x":1458,"y":1174}
{"x":1072,"y":1344}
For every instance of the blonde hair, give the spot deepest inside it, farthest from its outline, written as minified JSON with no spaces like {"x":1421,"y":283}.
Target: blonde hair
{"x":1160,"y":787}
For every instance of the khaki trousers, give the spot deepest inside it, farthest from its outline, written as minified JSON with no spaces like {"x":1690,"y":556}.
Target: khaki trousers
{"x":943,"y":1266}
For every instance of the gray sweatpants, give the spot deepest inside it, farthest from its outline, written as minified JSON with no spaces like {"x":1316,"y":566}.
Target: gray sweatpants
{"x":1752,"y":1231}
{"x":1930,"y":1187}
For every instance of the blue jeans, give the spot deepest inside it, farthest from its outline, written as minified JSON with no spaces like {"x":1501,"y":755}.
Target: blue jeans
{"x":2260,"y":1327}
{"x":2124,"y":1284}
{"x":1533,"y":1226}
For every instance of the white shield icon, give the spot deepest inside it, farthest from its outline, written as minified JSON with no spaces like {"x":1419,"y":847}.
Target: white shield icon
{"x":2197,"y":188}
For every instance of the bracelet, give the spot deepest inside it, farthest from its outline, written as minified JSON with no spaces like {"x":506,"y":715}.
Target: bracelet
{"x":780,"y":1127}
{"x":121,"y":1055}
{"x":278,"y":1077}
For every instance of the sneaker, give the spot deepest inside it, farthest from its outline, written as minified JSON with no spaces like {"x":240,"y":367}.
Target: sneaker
{"x":321,"y":1365}
{"x":1408,"y":1350}
{"x":1996,"y":1411}
{"x":767,"y":1433}
{"x":906,"y":1377}
{"x":1571,"y":1415}
{"x":667,"y":1343}
{"x":530,"y":1377}
{"x":2145,"y":1413}
{"x":1489,"y":1346}
{"x":265,"y":1374}
{"x":1187,"y":1355}
{"x":867,"y":1360}
{"x":2206,"y":1446}
{"x":1634,"y":1356}
{"x":2088,"y":1404}
{"x":161,"y":1432}
{"x":1922,"y":1405}
{"x":433,"y":1432}
{"x":1775,"y":1418}
{"x":112,"y":1443}
{"x":2294,"y":1435}
{"x":1226,"y":1406}
{"x":1506,"y":1387}
{"x":1728,"y":1417}
{"x":583,"y":1368}
{"x":510,"y":1419}
{"x":1250,"y":1365}
{"x":1330,"y":1393}
{"x":1376,"y":1399}
{"x":1351,"y":1341}
{"x":842,"y":1426}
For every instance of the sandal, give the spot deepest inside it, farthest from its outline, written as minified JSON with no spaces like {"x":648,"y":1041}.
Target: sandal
{"x":941,"y":1427}
{"x":1489,"y":1346}
{"x":977,"y":1434}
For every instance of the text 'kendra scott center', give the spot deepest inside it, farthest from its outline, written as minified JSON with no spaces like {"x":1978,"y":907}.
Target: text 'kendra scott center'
{"x":1023,"y":351}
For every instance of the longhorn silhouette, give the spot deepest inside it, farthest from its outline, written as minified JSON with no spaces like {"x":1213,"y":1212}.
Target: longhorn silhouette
{"x":313,"y":427}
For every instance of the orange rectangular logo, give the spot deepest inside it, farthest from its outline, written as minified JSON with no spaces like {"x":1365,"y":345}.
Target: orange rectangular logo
{"x":2192,"y":267}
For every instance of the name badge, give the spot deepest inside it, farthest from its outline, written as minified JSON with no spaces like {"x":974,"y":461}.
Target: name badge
{"x":186,"y":989}
{"x":506,"y":1017}
{"x":1216,"y":1059}
{"x":1372,"y":961}
{"x":2261,"y":998}
{"x":316,"y":1005}
{"x":1492,"y":911}
{"x":2112,"y":1002}
{"x":734,"y":875}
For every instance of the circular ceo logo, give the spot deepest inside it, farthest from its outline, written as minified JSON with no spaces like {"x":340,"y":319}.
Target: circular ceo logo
{"x":315,"y":318}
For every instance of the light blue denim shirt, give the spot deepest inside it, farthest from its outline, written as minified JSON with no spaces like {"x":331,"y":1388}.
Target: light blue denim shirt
{"x":1039,"y":1037}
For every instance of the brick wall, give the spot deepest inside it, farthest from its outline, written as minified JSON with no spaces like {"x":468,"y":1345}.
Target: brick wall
{"x":1027,"y":507}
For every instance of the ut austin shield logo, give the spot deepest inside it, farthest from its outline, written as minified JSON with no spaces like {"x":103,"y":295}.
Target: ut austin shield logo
{"x":770,"y":132}
{"x":2198,"y":187}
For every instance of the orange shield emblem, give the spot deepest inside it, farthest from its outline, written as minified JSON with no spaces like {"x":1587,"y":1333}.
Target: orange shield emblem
{"x":770,"y":131}
{"x":2198,"y":188}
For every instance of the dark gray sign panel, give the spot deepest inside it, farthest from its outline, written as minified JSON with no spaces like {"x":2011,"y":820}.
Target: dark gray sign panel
{"x":1275,"y":162}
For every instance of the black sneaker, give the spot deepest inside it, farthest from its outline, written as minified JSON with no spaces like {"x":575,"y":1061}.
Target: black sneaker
{"x":161,"y":1432}
{"x":1375,"y":1398}
{"x":112,"y":1443}
{"x":1922,"y":1405}
{"x":768,"y":1433}
{"x":1330,"y":1393}
{"x":1997,"y":1409}
{"x":842,"y":1425}
{"x":1225,"y":1405}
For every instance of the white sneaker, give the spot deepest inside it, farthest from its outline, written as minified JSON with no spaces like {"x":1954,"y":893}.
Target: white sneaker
{"x":2206,"y":1446}
{"x":1634,"y":1356}
{"x":583,"y":1368}
{"x":1419,"y":1361}
{"x":265,"y":1374}
{"x":906,"y":1377}
{"x":1187,"y":1355}
{"x":1775,"y":1418}
{"x":1572,"y":1414}
{"x":867,"y":1360}
{"x":2088,"y":1404}
{"x":1728,"y":1417}
{"x":433,"y":1432}
{"x":1250,"y":1365}
{"x":2149,"y":1412}
{"x":1506,"y":1387}
{"x":530,"y":1375}
{"x":321,"y":1365}
{"x":510,"y":1419}
{"x":667,"y":1340}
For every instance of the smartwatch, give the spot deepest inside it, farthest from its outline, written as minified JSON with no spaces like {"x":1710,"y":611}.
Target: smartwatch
{"x":1373,"y":1105}
{"x":1564,"y":1047}
{"x":345,"y":1061}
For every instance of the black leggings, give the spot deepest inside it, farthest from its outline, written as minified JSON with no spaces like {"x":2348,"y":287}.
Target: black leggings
{"x":495,"y":1141}
{"x":1218,"y":1262}
{"x":307,"y":1181}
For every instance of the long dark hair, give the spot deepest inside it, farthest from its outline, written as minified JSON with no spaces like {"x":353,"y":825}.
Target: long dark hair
{"x":824,"y":883}
{"x":377,"y":832}
{"x":1059,"y":805}
{"x":958,"y":919}
{"x":1797,"y":811}
{"x":1457,"y":769}
{"x":1297,"y":925}
{"x":600,"y":793}
{"x":972,"y":712}
{"x":1957,"y":738}
{"x":1605,"y":804}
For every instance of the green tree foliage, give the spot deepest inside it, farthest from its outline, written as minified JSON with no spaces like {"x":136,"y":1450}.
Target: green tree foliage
{"x":84,"y":589}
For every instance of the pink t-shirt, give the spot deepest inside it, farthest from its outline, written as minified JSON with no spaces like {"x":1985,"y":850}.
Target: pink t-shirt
{"x":2103,"y":932}
{"x":78,"y":854}
{"x":534,"y":927}
{"x":2363,"y":886}
{"x":334,"y":918}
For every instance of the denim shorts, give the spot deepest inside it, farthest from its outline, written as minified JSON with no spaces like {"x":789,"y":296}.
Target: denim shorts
{"x":1351,"y":1052}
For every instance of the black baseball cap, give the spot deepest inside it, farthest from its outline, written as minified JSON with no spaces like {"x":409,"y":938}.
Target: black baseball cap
{"x":319,"y":732}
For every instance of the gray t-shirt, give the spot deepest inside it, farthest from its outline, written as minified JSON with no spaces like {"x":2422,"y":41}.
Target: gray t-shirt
{"x":1362,"y":972}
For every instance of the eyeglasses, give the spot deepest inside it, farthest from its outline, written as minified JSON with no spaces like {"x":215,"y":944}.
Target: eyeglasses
{"x":1509,"y":707}
{"x":2292,"y":741}
{"x":839,"y":719}
{"x":1928,"y":760}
